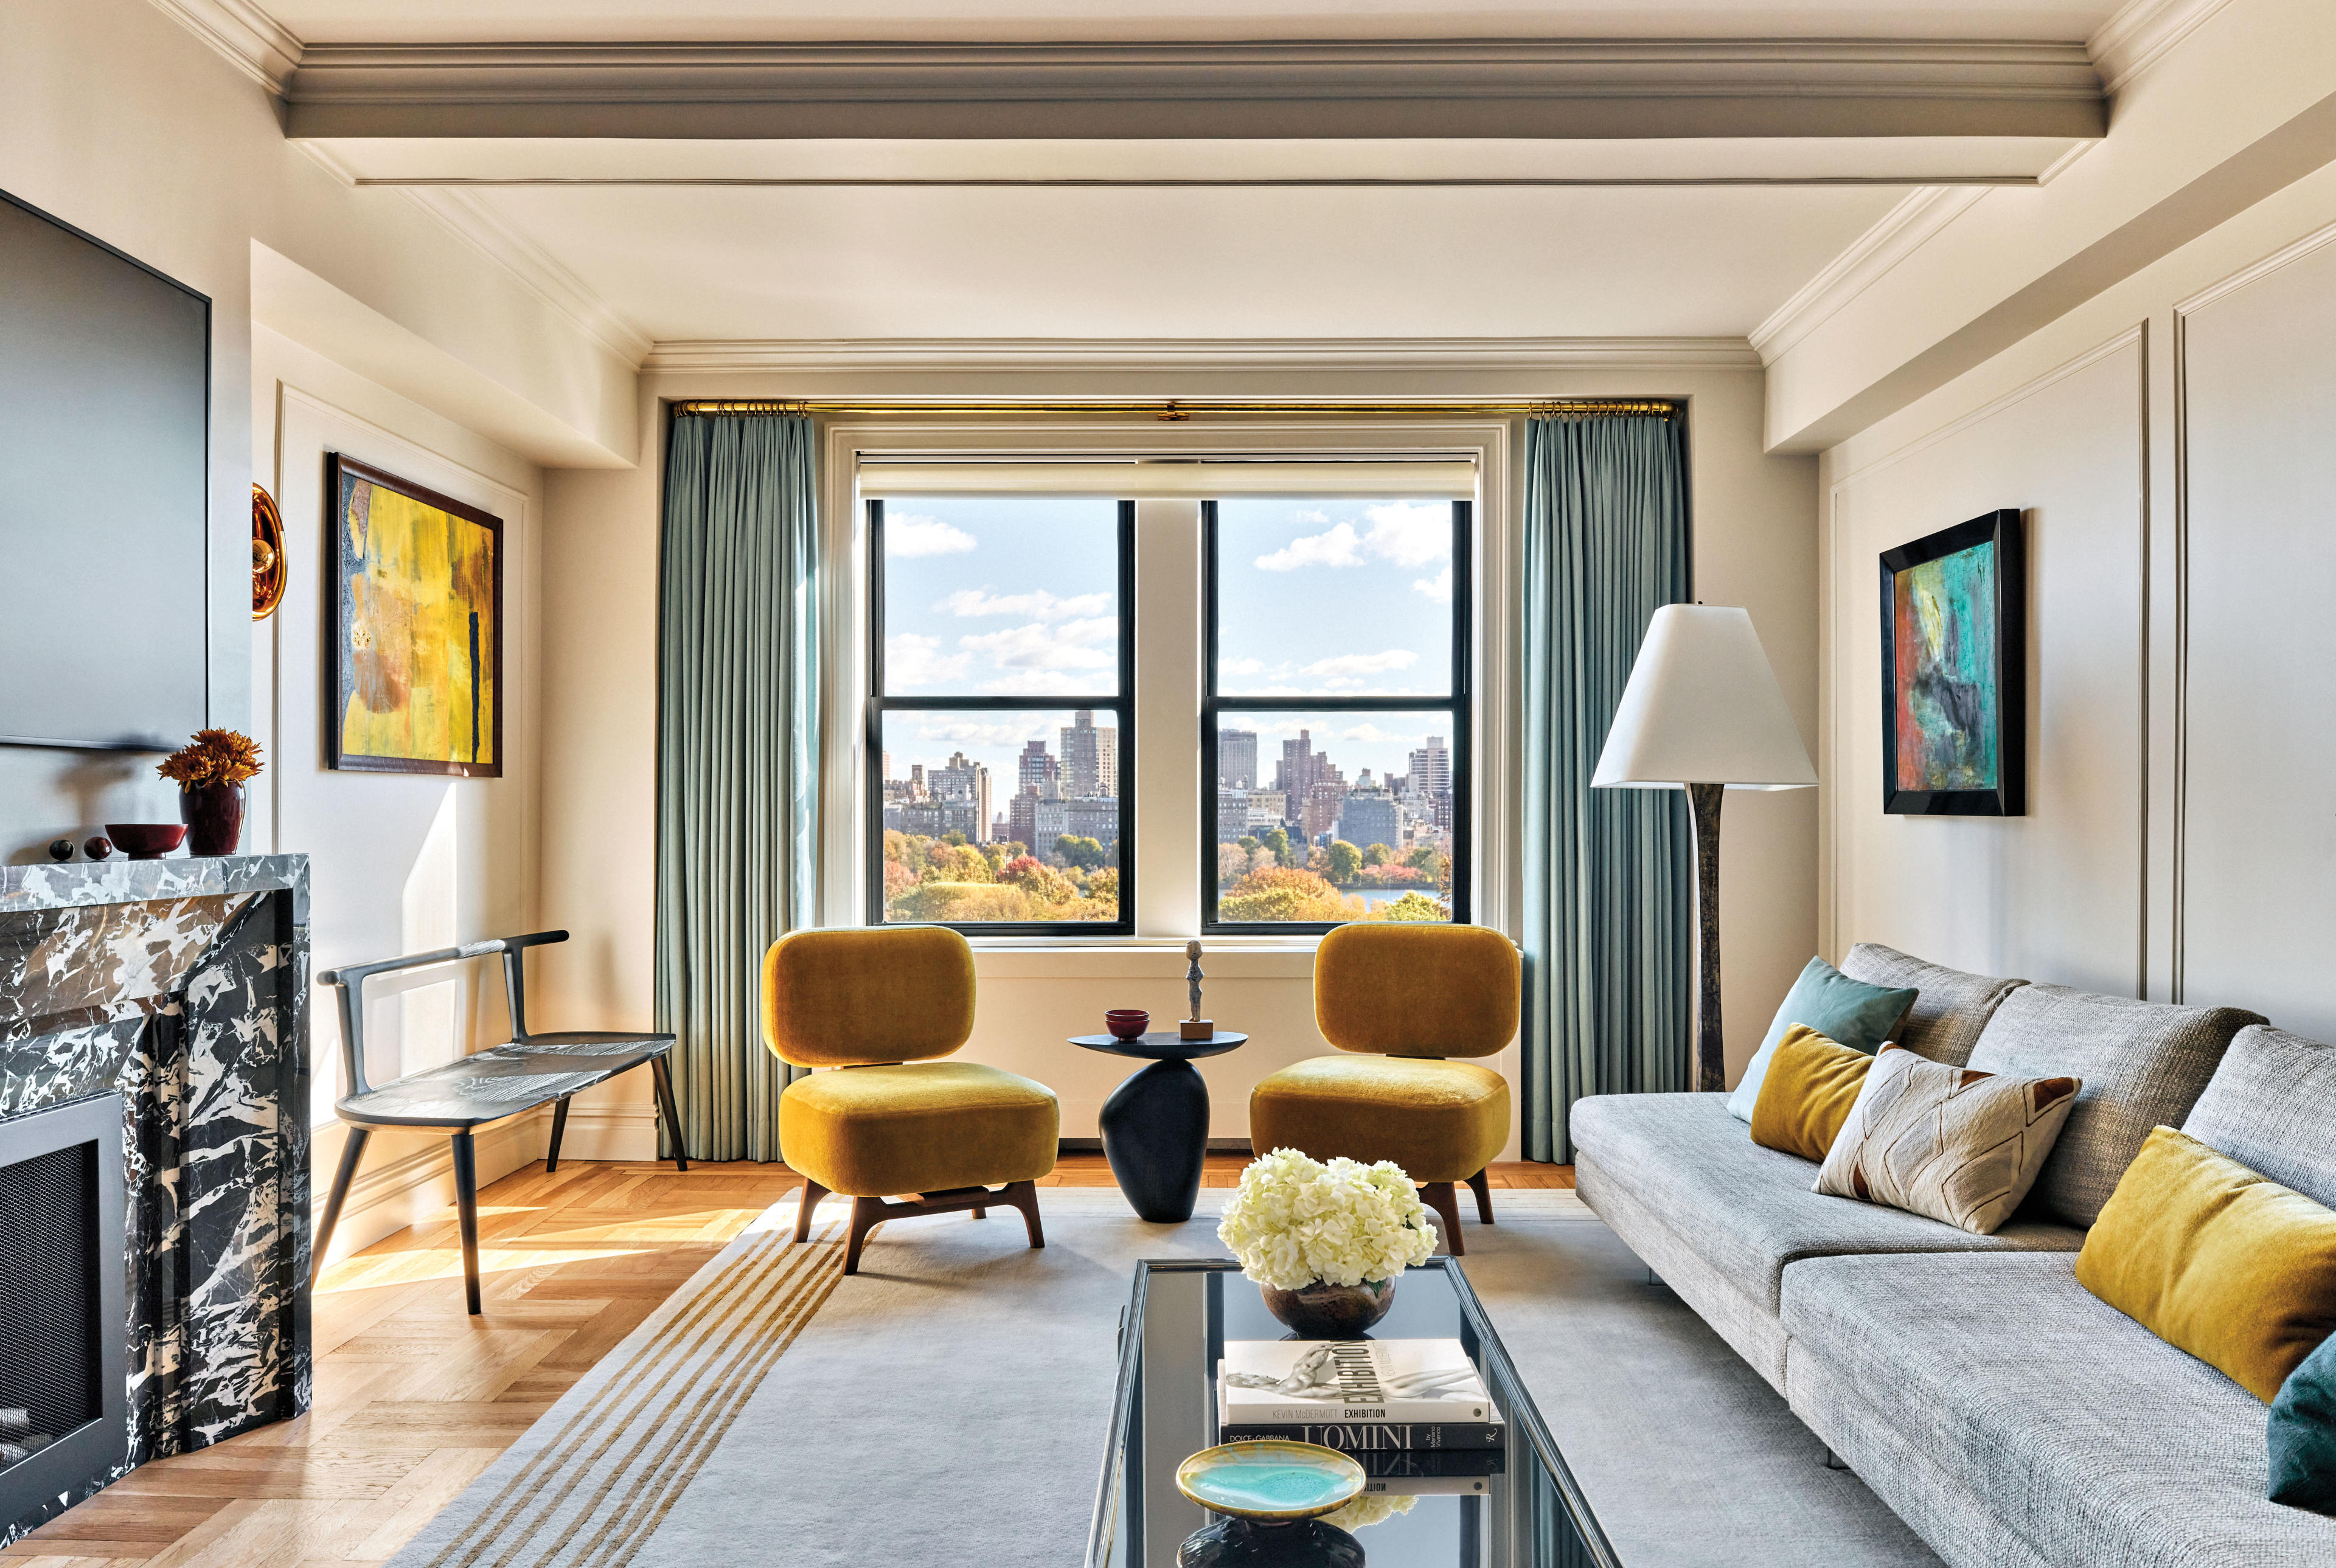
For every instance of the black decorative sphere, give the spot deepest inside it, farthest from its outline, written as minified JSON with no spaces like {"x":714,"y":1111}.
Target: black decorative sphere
{"x":98,"y":847}
{"x":61,"y":849}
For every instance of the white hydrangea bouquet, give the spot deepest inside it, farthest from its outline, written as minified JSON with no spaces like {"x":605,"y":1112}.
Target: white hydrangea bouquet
{"x":1295,"y":1221}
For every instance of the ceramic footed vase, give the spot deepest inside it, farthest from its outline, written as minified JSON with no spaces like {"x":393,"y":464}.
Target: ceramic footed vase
{"x":1326,"y":1311}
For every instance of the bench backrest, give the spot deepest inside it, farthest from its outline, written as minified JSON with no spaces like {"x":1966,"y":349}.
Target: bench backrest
{"x":350,"y":980}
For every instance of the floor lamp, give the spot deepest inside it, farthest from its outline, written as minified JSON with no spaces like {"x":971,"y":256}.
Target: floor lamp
{"x":1702,"y":712}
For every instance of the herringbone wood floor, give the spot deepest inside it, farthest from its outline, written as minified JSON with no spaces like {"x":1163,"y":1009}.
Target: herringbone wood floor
{"x":414,"y":1397}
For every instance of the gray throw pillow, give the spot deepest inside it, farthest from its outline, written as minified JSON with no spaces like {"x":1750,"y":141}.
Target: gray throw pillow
{"x":2144,"y":1063}
{"x":1847,"y":1012}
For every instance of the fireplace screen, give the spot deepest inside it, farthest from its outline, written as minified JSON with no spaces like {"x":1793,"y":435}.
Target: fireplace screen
{"x":64,"y":1334}
{"x":49,"y":1357}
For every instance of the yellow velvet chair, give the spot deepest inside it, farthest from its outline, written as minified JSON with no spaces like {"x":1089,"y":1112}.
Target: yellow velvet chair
{"x":873,"y":1008}
{"x":1404,"y":997}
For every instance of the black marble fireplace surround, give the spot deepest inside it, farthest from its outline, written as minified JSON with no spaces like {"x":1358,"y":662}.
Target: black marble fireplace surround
{"x":180,"y":985}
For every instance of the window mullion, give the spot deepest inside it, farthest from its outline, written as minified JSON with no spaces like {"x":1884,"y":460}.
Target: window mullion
{"x":1167,"y":841}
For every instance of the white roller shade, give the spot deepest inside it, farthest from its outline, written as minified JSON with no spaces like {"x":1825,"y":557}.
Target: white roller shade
{"x":1454,"y":480}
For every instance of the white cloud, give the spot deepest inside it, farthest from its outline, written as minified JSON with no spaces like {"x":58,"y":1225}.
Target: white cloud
{"x":909,"y":535}
{"x":1038,"y":603}
{"x":1406,"y":532}
{"x":1070,"y":646}
{"x":1337,"y":547}
{"x":1354,"y":664}
{"x":1240,"y":667}
{"x":983,"y":731}
{"x":1409,"y":533}
{"x":911,"y":660}
{"x":1438,"y":588}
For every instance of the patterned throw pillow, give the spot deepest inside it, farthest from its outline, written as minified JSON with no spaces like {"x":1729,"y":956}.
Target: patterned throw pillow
{"x":1946,"y":1142}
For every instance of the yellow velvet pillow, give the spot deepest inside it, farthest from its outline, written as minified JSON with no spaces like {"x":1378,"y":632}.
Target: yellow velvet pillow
{"x":2216,"y":1260}
{"x":1811,"y":1084}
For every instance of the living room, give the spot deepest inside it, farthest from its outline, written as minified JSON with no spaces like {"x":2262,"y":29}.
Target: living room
{"x":1037,"y":603}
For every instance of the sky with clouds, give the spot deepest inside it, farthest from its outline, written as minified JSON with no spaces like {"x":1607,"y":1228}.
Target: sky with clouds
{"x":1005,"y":595}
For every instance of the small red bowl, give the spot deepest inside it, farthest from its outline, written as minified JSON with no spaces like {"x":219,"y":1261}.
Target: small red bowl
{"x":1126,"y":1023}
{"x":146,"y":841}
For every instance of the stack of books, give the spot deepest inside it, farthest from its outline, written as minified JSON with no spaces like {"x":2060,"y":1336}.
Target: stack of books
{"x":1412,"y":1412}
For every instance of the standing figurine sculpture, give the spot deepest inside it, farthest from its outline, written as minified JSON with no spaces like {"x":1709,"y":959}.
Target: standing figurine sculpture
{"x":1195,"y":1028}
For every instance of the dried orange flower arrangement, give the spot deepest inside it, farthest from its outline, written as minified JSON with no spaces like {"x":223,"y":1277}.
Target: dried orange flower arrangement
{"x":213,"y":756}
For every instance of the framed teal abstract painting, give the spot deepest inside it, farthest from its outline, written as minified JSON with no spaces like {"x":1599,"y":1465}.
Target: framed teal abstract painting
{"x":1954,"y":685}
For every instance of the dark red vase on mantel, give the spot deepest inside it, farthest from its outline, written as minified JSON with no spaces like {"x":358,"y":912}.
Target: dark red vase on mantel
{"x":213,"y":813}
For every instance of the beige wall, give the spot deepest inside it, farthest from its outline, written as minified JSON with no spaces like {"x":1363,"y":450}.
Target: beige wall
{"x":397,"y":863}
{"x":2171,"y":445}
{"x":116,"y":118}
{"x":1755,"y":545}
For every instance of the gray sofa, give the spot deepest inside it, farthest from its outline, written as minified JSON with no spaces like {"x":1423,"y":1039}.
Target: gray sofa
{"x":2007,"y":1416}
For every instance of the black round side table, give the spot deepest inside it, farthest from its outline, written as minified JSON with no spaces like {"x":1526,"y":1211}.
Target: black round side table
{"x":1155,"y":1126}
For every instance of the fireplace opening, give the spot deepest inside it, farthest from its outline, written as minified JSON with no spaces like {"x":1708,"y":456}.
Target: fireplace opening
{"x":49,"y":1357}
{"x":63,"y":1330}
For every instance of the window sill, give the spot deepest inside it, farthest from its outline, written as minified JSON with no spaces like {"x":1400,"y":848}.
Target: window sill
{"x":1122,"y":958}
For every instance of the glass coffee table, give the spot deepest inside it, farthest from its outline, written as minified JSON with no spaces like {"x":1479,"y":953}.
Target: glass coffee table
{"x":1530,"y":1514}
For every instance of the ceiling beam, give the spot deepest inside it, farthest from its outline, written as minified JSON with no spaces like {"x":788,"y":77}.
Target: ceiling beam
{"x":1490,"y":87}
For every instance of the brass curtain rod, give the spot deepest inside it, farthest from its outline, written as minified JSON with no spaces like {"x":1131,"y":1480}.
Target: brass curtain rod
{"x":1177,"y":409}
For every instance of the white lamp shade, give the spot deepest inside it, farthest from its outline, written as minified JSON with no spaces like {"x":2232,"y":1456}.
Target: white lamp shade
{"x":1702,"y":707}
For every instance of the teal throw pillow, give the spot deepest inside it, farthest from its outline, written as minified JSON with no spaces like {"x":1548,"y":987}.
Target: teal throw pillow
{"x":1848,"y":1012}
{"x":2304,"y":1434}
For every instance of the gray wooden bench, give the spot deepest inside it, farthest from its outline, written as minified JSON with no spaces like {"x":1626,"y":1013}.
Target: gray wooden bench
{"x":529,"y":1071}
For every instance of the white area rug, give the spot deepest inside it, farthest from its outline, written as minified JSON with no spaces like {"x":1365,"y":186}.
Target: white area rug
{"x":948,"y":1405}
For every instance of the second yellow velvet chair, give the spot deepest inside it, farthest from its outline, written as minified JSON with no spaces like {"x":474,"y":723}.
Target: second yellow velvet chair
{"x":1403,"y":999}
{"x":874,"y":1007}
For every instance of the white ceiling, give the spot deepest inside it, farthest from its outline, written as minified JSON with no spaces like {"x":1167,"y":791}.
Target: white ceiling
{"x":700,"y":240}
{"x":694,"y":263}
{"x":579,"y":21}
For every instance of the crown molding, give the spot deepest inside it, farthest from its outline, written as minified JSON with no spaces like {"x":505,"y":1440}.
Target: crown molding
{"x":1424,"y":88}
{"x":247,"y":37}
{"x":542,"y":273}
{"x":2143,"y":32}
{"x":942,"y":355}
{"x":1903,"y":230}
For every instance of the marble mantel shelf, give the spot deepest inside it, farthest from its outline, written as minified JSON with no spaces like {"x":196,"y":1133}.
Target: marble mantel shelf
{"x":183,"y":986}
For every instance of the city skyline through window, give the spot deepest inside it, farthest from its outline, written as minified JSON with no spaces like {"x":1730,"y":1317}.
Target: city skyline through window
{"x":993,"y":806}
{"x":1335,"y":729}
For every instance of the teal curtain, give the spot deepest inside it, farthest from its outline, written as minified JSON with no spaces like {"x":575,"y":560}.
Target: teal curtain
{"x":737,"y":759}
{"x":1609,"y":896}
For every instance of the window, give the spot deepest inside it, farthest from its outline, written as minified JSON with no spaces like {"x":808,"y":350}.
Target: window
{"x":1334,"y":713}
{"x":1002,"y":707}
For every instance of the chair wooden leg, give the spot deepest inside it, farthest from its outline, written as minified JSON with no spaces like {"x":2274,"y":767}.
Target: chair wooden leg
{"x":1481,"y":1183}
{"x":1440,"y":1197}
{"x":558,"y":1130}
{"x":1024,"y":1195}
{"x":351,"y":1152}
{"x":982,"y":1214}
{"x":867,"y":1213}
{"x":466,"y":1210}
{"x":663,"y":1076}
{"x":812,"y":1193}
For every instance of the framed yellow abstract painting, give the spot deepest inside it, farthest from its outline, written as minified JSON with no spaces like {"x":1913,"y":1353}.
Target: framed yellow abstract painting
{"x":414,"y":650}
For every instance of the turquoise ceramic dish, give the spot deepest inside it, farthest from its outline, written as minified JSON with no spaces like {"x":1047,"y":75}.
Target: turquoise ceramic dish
{"x":1272,"y":1480}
